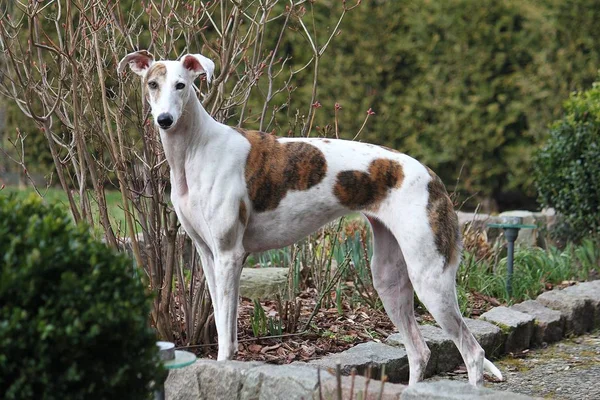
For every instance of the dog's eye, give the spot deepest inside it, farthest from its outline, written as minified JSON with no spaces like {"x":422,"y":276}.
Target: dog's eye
{"x":180,"y":86}
{"x":152,"y":85}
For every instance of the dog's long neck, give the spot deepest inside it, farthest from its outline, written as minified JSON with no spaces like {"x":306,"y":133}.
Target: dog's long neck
{"x":191,"y":133}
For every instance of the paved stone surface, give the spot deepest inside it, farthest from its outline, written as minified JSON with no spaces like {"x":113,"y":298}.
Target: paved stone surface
{"x":370,"y":355}
{"x":567,"y":370}
{"x":489,"y":336}
{"x":444,"y":353}
{"x":548,"y":324}
{"x":517,"y":326}
{"x":578,"y":312}
{"x":453,"y":390}
{"x":263,"y":283}
{"x":360,"y":389}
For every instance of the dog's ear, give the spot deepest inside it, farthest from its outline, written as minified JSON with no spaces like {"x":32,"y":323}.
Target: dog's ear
{"x":139,"y":62}
{"x":197,"y":64}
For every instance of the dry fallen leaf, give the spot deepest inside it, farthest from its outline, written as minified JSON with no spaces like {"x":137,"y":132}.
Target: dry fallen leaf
{"x":255,"y":348}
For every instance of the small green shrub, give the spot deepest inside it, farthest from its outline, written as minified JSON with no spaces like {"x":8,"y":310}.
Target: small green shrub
{"x":73,"y":320}
{"x":567,"y":168}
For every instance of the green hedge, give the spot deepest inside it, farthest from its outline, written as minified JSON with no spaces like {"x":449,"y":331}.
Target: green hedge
{"x":568,"y":166}
{"x":73,"y":320}
{"x":466,"y":86}
{"x":462,"y":85}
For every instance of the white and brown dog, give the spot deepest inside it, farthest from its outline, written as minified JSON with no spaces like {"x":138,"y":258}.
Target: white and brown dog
{"x":238,"y":191}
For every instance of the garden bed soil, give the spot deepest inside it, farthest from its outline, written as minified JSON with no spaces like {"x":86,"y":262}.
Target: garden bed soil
{"x":330,"y":332}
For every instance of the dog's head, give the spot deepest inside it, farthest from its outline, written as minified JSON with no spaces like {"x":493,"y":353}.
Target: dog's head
{"x":168,"y":84}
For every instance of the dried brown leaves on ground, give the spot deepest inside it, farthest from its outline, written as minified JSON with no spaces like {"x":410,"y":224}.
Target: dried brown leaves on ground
{"x":330,"y":332}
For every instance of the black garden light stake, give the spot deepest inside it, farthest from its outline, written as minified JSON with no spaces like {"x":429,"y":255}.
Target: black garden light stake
{"x":172,"y":359}
{"x":511,"y":226}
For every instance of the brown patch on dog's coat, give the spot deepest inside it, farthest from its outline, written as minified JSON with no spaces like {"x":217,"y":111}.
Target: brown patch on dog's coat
{"x":243,"y":213}
{"x":365,"y":190}
{"x":273,"y":168}
{"x":157,"y":70}
{"x":442,"y":219}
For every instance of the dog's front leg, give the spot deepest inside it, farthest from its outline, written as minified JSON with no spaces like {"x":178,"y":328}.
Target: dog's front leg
{"x":208,"y":267}
{"x":228,"y":268}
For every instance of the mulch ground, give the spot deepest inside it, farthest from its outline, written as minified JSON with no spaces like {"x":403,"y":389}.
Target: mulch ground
{"x":329,"y":331}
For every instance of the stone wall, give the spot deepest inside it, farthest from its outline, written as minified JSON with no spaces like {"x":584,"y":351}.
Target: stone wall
{"x":544,"y":220}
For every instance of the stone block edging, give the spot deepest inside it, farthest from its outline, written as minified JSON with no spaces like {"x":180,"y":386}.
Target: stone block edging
{"x":517,"y":327}
{"x":554,"y":314}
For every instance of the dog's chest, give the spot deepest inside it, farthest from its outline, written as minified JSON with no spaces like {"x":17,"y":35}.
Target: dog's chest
{"x":191,"y":221}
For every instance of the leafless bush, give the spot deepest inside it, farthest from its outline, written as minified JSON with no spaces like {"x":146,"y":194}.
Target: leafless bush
{"x":61,"y":59}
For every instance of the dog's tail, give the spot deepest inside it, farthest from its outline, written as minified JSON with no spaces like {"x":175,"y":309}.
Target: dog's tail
{"x":491,"y":368}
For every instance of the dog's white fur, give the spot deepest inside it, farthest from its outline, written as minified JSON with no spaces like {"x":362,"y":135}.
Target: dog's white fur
{"x":208,"y":162}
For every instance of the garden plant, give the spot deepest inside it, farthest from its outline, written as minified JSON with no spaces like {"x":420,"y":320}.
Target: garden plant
{"x":73,"y":313}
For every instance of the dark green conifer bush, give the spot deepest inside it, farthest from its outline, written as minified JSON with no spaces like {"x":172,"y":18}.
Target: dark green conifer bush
{"x":73,"y":319}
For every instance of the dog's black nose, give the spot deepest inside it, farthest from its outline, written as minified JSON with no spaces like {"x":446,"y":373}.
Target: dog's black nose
{"x":165,"y":120}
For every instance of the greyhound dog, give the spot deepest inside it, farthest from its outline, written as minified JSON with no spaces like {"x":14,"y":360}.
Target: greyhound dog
{"x":237,"y":191}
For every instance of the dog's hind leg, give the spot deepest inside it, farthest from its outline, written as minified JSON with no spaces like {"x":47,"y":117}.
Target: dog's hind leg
{"x":437,"y":291}
{"x":431,"y":246}
{"x":390,"y":278}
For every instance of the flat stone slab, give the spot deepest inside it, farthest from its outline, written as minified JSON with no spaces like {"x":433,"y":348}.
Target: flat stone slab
{"x":517,"y":326}
{"x":370,"y":355}
{"x":589,"y":291}
{"x":263,"y":283}
{"x":489,"y":336}
{"x":454,"y":390}
{"x":548,"y":324}
{"x":360,"y":389}
{"x":289,"y":382}
{"x":444,"y":353}
{"x":577,"y":311}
